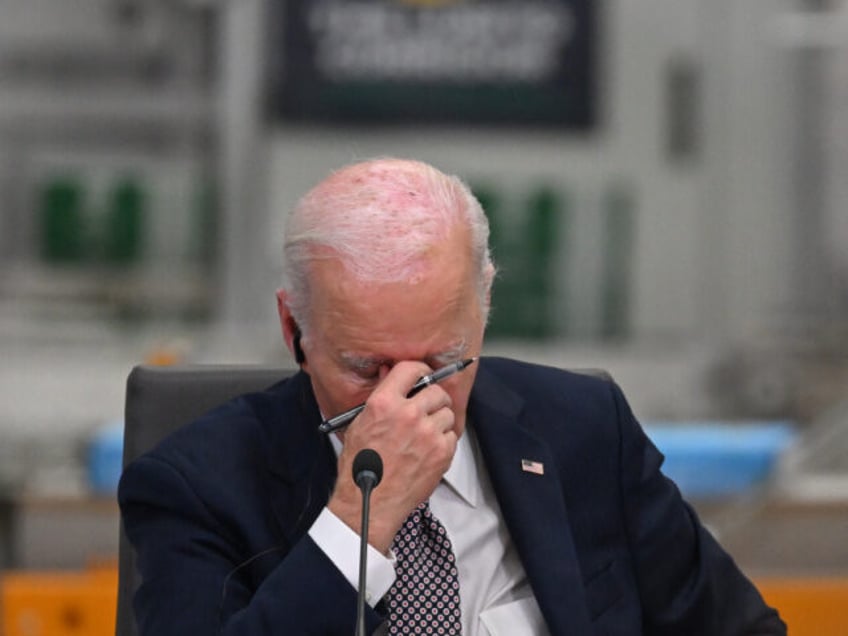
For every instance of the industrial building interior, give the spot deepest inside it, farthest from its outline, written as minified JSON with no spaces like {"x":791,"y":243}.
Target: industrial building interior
{"x":684,"y":228}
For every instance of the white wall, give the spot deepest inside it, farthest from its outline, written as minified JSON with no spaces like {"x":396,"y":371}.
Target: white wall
{"x":711,"y":244}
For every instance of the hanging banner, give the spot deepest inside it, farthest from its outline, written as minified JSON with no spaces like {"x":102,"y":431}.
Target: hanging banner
{"x":449,"y":61}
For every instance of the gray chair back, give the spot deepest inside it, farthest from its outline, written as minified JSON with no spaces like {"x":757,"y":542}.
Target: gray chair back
{"x":158,"y":401}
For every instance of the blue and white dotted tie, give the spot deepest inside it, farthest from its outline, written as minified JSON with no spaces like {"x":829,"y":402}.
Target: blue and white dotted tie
{"x":425,"y":596}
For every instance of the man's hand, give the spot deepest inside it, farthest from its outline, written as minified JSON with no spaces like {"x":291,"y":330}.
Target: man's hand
{"x":416,"y":440}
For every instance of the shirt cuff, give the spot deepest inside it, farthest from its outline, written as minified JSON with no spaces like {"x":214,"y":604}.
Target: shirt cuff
{"x":341,"y":544}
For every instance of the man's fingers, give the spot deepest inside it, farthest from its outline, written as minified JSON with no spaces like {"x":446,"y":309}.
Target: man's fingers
{"x":443,"y":419}
{"x":403,"y":376}
{"x":432,"y":399}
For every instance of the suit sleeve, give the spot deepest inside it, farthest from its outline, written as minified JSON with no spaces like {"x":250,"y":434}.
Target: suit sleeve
{"x":196,"y":580}
{"x":688,"y":583}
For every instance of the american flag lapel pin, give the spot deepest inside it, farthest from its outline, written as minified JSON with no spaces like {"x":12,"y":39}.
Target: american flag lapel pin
{"x":530,"y":466}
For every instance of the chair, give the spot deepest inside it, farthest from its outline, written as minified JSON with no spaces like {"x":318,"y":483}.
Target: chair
{"x":159,"y":400}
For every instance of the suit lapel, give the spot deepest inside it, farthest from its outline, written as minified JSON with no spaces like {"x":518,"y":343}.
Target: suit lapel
{"x":300,"y":458}
{"x":532,"y":504}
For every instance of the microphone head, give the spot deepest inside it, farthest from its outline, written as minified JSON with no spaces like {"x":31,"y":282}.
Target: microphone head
{"x":367,"y":465}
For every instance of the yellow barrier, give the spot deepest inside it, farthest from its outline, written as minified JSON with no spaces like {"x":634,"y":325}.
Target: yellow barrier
{"x":59,"y":603}
{"x":809,"y":606}
{"x":84,"y":603}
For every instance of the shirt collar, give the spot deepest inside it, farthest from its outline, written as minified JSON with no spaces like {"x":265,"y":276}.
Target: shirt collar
{"x":461,"y":477}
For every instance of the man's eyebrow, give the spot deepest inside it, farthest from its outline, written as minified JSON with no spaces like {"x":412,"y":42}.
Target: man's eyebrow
{"x":358,"y":362}
{"x":361,"y":362}
{"x":452,"y":354}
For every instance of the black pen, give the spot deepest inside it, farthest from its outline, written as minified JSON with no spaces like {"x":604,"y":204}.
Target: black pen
{"x":343,"y":419}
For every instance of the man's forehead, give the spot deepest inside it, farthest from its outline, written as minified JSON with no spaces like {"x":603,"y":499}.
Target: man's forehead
{"x":387,"y":265}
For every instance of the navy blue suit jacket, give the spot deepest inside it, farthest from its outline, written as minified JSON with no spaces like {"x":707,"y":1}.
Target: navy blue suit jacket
{"x":219,"y":513}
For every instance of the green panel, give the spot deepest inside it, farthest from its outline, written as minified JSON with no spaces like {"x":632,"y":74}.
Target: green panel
{"x":125,"y":223}
{"x":62,"y":221}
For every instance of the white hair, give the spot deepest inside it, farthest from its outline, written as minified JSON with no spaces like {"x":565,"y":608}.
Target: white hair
{"x":379,"y":217}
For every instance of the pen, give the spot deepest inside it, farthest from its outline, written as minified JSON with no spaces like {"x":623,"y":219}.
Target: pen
{"x":343,"y":419}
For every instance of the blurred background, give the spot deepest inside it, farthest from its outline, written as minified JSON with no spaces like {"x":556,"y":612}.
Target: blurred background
{"x":665,"y":181}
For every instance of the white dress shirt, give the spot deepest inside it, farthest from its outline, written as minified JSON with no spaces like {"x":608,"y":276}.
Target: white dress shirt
{"x":499,"y":601}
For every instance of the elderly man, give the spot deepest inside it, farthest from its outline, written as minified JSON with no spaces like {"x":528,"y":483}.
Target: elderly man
{"x":515,"y":499}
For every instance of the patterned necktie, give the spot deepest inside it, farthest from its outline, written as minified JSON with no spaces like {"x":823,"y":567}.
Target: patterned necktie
{"x":425,"y":596}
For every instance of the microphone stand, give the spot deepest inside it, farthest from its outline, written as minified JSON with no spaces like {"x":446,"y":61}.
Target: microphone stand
{"x":367,"y":472}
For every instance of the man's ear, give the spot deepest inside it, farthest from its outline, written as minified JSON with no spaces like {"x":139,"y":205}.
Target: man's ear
{"x":289,"y":327}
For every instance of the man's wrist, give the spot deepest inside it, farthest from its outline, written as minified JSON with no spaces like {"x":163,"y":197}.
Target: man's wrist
{"x":341,"y":544}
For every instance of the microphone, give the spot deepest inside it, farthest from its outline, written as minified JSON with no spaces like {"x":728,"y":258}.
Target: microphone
{"x":367,"y":469}
{"x":367,"y":473}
